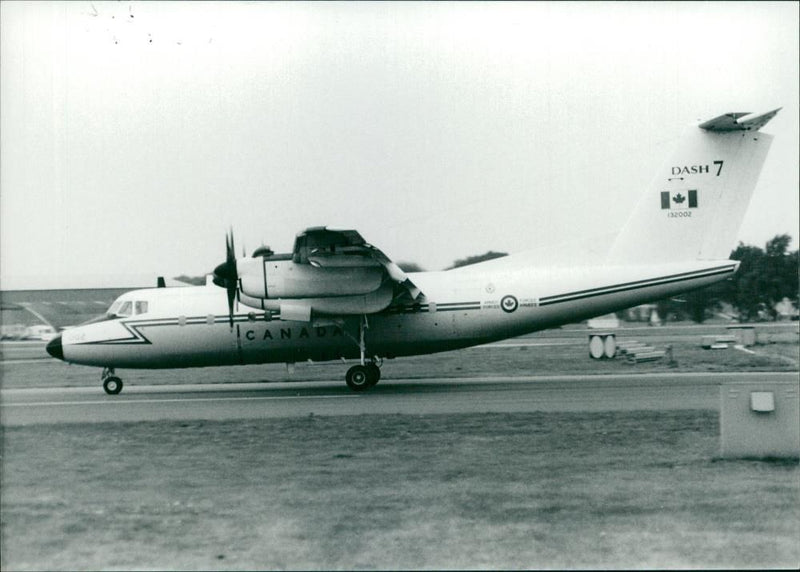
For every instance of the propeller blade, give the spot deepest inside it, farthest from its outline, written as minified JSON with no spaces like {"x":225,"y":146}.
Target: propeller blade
{"x":231,"y":296}
{"x":231,"y":251}
{"x":226,"y":275}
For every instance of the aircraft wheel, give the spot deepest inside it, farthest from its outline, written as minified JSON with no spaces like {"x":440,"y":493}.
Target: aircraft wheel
{"x":358,"y":378}
{"x":112,"y":385}
{"x":374,"y":373}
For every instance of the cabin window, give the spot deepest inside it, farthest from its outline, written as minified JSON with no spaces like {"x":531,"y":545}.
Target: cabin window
{"x":141,"y":307}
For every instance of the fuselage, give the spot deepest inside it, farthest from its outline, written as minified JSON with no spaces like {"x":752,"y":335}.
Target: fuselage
{"x":190,"y":326}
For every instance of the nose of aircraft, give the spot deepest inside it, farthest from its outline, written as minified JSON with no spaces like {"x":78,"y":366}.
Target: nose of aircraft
{"x":54,"y":347}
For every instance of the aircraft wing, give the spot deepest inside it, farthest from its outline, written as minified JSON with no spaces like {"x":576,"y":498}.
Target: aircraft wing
{"x":322,"y":247}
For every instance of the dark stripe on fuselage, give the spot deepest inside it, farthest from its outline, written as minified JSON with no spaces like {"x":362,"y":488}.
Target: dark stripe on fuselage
{"x":445,"y":307}
{"x":137,"y":337}
{"x":626,"y":286}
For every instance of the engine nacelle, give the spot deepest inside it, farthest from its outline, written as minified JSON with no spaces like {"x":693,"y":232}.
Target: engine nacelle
{"x":301,"y":309}
{"x":272,"y":279}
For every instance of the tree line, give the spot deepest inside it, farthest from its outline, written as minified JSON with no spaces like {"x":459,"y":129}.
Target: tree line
{"x":765,"y":277}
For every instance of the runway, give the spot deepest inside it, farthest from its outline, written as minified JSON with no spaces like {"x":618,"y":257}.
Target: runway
{"x":396,"y":396}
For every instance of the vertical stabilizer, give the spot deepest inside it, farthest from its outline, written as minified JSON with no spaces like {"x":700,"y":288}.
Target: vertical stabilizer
{"x":695,"y":205}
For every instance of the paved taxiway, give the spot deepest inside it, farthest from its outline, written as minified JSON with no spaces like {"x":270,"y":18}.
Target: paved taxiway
{"x":420,"y":397}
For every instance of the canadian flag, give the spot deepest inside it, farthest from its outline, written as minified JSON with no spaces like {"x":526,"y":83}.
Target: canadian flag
{"x":679,"y":199}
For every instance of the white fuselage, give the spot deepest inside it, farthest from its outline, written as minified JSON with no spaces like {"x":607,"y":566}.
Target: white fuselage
{"x":189,"y":327}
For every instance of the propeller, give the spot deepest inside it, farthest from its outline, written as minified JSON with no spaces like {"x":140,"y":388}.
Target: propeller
{"x":227,"y":276}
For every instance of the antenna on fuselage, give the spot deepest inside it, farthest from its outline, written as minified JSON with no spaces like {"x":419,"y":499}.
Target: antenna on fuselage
{"x":161,"y":283}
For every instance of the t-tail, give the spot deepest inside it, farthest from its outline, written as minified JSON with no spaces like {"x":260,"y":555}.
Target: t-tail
{"x":695,"y":205}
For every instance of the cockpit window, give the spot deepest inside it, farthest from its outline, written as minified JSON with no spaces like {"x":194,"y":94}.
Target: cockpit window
{"x":126,"y":309}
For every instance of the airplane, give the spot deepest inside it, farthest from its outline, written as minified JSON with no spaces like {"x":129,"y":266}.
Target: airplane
{"x":337,"y":297}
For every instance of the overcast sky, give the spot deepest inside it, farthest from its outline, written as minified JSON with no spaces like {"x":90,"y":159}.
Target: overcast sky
{"x":134,"y":134}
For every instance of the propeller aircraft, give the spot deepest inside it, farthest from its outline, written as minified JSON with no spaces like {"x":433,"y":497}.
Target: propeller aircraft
{"x":335,"y":296}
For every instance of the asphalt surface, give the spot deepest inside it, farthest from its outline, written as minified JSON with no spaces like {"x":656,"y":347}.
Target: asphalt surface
{"x":409,"y":397}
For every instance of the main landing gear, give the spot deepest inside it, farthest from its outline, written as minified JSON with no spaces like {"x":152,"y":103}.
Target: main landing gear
{"x":363,"y":376}
{"x":366,"y":374}
{"x":111,"y":383}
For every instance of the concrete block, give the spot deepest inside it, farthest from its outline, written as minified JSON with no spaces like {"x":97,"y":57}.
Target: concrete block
{"x":760,"y":419}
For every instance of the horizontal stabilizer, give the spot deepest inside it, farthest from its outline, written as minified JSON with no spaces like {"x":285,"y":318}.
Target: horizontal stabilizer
{"x":739,"y":121}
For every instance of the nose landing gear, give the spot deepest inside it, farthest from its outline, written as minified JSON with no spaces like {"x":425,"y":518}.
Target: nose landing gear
{"x":111,"y":383}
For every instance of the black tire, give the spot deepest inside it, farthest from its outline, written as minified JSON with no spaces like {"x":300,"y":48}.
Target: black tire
{"x":358,"y":378}
{"x":374,"y":373}
{"x":112,"y":385}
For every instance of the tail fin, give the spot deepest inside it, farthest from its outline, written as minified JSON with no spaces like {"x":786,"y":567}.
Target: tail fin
{"x":694,"y":207}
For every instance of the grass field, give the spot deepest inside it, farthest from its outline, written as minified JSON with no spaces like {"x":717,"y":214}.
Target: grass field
{"x":598,"y":490}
